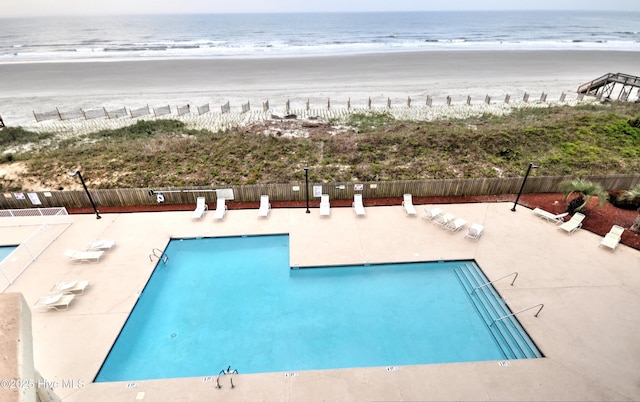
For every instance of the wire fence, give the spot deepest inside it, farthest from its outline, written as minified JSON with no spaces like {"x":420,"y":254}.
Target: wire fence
{"x":51,"y":222}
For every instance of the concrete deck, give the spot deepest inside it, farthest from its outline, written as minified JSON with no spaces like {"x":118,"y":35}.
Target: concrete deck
{"x":588,"y":329}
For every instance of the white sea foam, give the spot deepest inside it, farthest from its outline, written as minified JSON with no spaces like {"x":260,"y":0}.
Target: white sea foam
{"x":287,"y":35}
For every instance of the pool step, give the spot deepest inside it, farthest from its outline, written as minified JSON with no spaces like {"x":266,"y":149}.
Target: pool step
{"x":508,"y":333}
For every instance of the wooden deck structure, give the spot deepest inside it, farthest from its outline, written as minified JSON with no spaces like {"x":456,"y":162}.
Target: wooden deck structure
{"x":602,"y":87}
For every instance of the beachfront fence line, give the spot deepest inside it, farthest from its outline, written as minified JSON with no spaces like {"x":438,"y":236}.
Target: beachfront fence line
{"x":126,"y":197}
{"x":102,"y":112}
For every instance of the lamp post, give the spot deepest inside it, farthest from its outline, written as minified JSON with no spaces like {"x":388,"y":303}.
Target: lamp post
{"x":531,"y":166}
{"x":77,"y":173}
{"x":306,"y":185}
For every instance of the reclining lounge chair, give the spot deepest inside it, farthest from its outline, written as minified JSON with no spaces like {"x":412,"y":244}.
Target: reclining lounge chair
{"x":201,"y":207}
{"x":407,"y":203}
{"x":325,"y":206}
{"x":57,"y":301}
{"x":84,"y":256}
{"x":265,"y":206}
{"x":432,"y":214}
{"x":475,"y":231}
{"x":572,"y":224}
{"x":221,"y":209}
{"x":358,"y":207}
{"x":557,"y":219}
{"x":76,"y":287}
{"x":612,"y":239}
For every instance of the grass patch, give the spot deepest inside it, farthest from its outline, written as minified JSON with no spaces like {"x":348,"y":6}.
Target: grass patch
{"x":592,"y":139}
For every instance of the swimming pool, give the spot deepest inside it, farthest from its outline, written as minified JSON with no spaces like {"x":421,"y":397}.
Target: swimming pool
{"x":234,"y":301}
{"x":5,"y":251}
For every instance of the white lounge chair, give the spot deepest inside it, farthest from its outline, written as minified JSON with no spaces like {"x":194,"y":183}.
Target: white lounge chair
{"x":221,"y":209}
{"x":612,"y":239}
{"x":407,"y":203}
{"x":444,"y":219}
{"x":84,"y":256}
{"x":265,"y":206}
{"x":100,"y":245}
{"x":455,"y":224}
{"x":201,"y":207}
{"x":57,"y":301}
{"x":357,"y":205}
{"x":325,"y":205}
{"x":475,"y":231}
{"x":76,"y":287}
{"x":572,"y":224}
{"x":431,"y":214}
{"x":555,"y":218}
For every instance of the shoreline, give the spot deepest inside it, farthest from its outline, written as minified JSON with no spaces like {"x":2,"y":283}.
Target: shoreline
{"x":283,"y":56}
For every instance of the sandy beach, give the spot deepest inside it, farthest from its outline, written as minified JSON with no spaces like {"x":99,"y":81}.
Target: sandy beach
{"x":42,"y":87}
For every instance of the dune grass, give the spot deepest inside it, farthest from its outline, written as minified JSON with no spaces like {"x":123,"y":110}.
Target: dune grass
{"x":562,"y":140}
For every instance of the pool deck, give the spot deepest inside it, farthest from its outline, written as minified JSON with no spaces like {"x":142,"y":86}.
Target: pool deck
{"x":588,"y":330}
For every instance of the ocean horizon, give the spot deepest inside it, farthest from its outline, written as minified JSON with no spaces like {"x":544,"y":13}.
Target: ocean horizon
{"x":193,"y":36}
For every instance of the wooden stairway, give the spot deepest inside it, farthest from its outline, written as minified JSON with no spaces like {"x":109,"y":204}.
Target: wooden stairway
{"x":602,"y":87}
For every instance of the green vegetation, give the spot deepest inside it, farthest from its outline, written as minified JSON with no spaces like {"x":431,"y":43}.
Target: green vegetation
{"x":584,"y":191}
{"x":563,"y":140}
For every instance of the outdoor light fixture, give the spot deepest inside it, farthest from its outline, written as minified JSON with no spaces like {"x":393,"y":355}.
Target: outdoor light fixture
{"x":77,"y":173}
{"x":531,"y":166}
{"x":306,"y":182}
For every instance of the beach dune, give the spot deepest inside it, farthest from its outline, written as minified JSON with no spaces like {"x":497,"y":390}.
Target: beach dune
{"x":41,"y":87}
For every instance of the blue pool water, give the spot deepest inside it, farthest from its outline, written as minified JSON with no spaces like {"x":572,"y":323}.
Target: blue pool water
{"x":234,"y":301}
{"x":5,"y":251}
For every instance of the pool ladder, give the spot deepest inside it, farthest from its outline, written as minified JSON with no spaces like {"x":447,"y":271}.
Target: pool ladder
{"x":229,"y":372}
{"x":162,"y":257}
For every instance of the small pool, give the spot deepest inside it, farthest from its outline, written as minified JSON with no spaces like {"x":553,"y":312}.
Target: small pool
{"x":5,"y":251}
{"x":234,"y":301}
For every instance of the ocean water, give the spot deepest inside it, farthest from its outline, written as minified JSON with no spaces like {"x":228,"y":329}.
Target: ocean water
{"x":307,"y":34}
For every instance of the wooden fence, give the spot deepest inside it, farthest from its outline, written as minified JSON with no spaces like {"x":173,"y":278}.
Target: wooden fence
{"x":296,"y":191}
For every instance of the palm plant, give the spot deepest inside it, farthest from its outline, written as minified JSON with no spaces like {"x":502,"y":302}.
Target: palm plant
{"x":584,"y":191}
{"x":634,"y":195}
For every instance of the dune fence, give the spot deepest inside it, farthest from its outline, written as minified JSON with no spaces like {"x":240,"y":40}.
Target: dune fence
{"x":132,"y":197}
{"x":102,"y":112}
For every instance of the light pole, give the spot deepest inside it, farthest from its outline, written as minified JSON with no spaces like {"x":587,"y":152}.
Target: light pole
{"x":531,"y":166}
{"x":306,"y":185}
{"x":77,"y":173}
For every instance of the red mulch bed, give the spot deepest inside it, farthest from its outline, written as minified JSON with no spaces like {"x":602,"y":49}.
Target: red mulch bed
{"x":598,"y":219}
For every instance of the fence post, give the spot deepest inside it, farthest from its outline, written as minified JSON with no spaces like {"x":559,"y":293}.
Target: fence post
{"x":487,"y":99}
{"x":562,"y":97}
{"x":468,"y":100}
{"x":328,"y":103}
{"x":369,"y":103}
{"x":448,"y":101}
{"x":507,"y":98}
{"x":526,"y":97}
{"x":287,"y":106}
{"x":349,"y":104}
{"x":409,"y":101}
{"x":429,"y":100}
{"x":389,"y":103}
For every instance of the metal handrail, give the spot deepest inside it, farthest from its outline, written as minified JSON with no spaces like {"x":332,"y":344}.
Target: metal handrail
{"x":518,"y":312}
{"x":159,"y":257}
{"x":502,"y":277}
